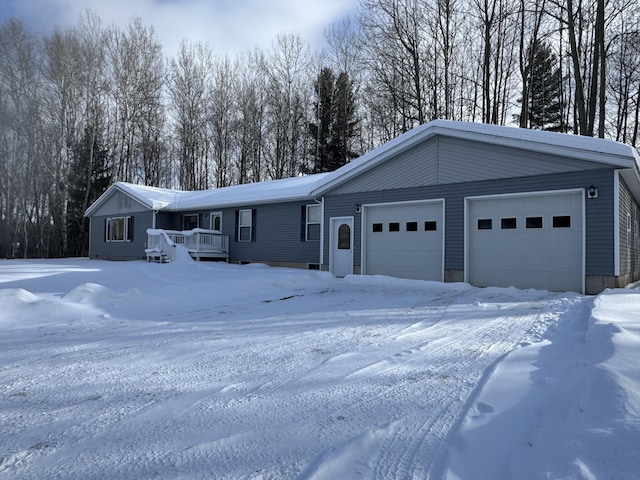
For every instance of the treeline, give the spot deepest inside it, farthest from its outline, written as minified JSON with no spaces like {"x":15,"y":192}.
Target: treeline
{"x":94,"y":104}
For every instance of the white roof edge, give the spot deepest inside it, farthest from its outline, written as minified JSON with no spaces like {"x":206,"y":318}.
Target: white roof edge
{"x":266,"y":192}
{"x":598,"y":150}
{"x":118,"y":186}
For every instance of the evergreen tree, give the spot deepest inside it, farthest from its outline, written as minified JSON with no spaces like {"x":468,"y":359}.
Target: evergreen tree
{"x":335,"y":122}
{"x":544,"y":102}
{"x":90,"y":178}
{"x":343,"y":128}
{"x":320,"y":131}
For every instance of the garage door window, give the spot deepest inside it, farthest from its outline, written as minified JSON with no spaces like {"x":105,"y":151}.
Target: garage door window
{"x":394,"y":227}
{"x":534,"y":222}
{"x":377,"y":227}
{"x":430,"y":226}
{"x":412,"y":226}
{"x":562,"y":221}
{"x":508,"y":223}
{"x":485,"y":224}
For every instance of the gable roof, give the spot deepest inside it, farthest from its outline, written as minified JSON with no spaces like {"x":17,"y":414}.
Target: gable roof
{"x":597,"y":150}
{"x":588,"y":149}
{"x":271,"y":191}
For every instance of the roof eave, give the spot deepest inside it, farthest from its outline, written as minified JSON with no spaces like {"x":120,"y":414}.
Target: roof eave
{"x":440,"y":128}
{"x":249,"y":203}
{"x":108,"y":193}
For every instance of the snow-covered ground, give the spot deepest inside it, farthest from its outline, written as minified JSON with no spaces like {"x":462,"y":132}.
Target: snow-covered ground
{"x":204,"y":370}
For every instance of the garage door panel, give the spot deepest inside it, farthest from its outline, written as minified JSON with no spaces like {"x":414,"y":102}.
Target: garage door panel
{"x":549,"y":257}
{"x":411,"y":252}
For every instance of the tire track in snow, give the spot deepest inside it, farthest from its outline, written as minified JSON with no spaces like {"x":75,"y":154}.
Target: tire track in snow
{"x":462,"y":347}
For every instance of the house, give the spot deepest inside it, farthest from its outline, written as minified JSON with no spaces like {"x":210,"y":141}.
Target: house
{"x":274,"y":222}
{"x":446,"y":201}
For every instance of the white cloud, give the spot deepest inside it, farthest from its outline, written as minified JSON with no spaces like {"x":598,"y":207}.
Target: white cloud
{"x":230,"y":26}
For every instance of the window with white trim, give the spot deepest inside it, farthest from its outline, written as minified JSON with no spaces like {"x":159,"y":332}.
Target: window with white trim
{"x":244,"y":225}
{"x":118,"y":229}
{"x":190,"y":221}
{"x":312,"y":223}
{"x":485,"y":224}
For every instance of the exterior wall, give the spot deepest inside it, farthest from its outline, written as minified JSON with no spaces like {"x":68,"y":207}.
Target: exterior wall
{"x":127,"y":250}
{"x":443,"y":160}
{"x":629,"y":243}
{"x":119,"y":204}
{"x":278,"y":234}
{"x":599,"y":220}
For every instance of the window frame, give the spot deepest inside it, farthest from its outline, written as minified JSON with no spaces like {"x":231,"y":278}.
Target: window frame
{"x":308,"y":223}
{"x":557,"y":220}
{"x":190,"y":215}
{"x":411,"y":226}
{"x":484,"y":224}
{"x":245,"y":225}
{"x":505,"y":223}
{"x":430,"y":225}
{"x":529,"y":225}
{"x":127,"y":229}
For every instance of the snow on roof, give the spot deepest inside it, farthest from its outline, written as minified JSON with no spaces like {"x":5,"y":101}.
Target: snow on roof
{"x":251,"y":193}
{"x":591,"y":149}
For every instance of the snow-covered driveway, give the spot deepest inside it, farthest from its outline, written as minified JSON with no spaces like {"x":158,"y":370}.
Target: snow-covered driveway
{"x":135,"y":370}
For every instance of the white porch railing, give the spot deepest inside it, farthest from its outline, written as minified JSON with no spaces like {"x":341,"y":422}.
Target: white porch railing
{"x":162,"y":244}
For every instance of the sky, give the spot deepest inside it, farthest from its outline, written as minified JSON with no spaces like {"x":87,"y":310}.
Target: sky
{"x":229,"y":26}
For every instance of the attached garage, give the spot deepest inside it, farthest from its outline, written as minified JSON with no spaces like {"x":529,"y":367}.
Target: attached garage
{"x":532,"y":240}
{"x":404,"y":239}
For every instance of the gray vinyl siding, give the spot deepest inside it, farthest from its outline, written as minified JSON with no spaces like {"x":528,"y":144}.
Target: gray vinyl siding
{"x":278,"y":233}
{"x":629,"y":241}
{"x":444,"y":160}
{"x":134,"y":250}
{"x":119,"y":204}
{"x":599,"y":218}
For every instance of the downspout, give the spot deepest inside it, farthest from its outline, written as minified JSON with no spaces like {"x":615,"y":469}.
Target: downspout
{"x":321,"y":202}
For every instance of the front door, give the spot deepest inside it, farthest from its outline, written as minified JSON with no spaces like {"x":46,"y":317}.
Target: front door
{"x":341,"y":240}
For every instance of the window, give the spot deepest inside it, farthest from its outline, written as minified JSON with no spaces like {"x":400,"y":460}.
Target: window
{"x":344,"y":237}
{"x":412,"y":226}
{"x":394,"y":227}
{"x":118,"y":229}
{"x":189,"y":222}
{"x":215,"y":222}
{"x":430,"y":226}
{"x":312,"y":224}
{"x":245,"y":226}
{"x":508,"y":223}
{"x":377,"y":227}
{"x":533,"y":222}
{"x":562,"y":221}
{"x":485,"y":224}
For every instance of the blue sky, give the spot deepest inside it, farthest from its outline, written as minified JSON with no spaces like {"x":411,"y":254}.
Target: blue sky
{"x":229,"y":26}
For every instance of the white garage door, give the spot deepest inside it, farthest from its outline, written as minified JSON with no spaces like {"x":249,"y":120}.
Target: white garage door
{"x":404,"y":240}
{"x":532,"y":241}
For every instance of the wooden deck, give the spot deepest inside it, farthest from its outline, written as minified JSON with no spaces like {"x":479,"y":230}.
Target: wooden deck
{"x":199,"y":243}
